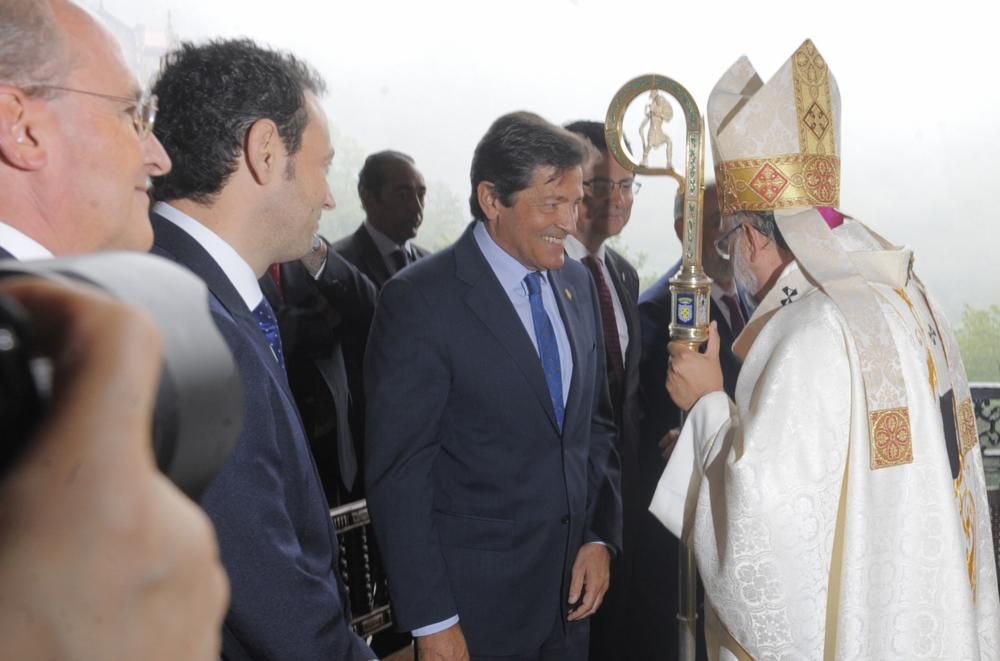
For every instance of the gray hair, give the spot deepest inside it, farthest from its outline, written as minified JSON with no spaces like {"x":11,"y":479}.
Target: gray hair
{"x":32,"y":47}
{"x":763,"y":221}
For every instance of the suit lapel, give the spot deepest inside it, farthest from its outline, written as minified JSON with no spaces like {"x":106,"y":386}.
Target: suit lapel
{"x":627,"y":291}
{"x":371,"y":256}
{"x":568,"y":299}
{"x":184,"y":249}
{"x":490,"y":303}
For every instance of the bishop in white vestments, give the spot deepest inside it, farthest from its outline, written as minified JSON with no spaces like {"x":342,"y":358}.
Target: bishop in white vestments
{"x":837,"y":508}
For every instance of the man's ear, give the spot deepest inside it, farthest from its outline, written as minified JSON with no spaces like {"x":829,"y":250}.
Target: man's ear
{"x":264,"y":151}
{"x":679,"y":228}
{"x":20,"y":128}
{"x":489,"y":200}
{"x":756,"y":240}
{"x":366,"y":198}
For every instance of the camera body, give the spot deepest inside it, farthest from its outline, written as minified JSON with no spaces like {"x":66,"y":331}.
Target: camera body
{"x":199,"y":403}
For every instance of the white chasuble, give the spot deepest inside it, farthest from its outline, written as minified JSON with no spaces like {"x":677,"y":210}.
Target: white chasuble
{"x":807,"y":551}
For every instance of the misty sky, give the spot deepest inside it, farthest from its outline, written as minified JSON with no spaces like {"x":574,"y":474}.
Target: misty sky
{"x":918,"y":133}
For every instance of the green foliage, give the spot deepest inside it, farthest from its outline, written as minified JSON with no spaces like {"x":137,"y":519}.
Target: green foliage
{"x":979,"y":340}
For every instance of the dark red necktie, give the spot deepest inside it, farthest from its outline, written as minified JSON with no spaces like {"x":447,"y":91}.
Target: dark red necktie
{"x":612,"y":343}
{"x":275,"y":271}
{"x":736,"y":321}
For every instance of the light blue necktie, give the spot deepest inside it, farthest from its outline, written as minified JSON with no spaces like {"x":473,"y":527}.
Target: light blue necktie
{"x":548,"y":350}
{"x":269,"y":326}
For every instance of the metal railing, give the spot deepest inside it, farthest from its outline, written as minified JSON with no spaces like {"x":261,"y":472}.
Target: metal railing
{"x":986,"y":401}
{"x":361,"y":569}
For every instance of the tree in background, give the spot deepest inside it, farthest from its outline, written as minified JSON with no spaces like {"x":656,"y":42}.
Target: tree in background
{"x":979,"y":340}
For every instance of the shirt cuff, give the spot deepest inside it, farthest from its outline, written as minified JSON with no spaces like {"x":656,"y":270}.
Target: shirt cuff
{"x":677,"y":490}
{"x":434,"y":628}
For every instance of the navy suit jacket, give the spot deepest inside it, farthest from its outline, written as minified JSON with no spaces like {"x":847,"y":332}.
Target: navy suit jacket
{"x":359,"y":249}
{"x":4,"y":254}
{"x":479,"y":503}
{"x":655,"y":595}
{"x":276,"y":539}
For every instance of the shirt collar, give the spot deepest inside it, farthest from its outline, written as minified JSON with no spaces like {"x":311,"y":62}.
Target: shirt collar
{"x":509,"y":271}
{"x":385,"y":245}
{"x":235,"y":267}
{"x":20,"y":245}
{"x":576,"y":249}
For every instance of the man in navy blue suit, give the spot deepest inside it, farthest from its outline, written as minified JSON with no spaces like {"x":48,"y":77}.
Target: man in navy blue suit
{"x":252,"y":149}
{"x":492,"y":474}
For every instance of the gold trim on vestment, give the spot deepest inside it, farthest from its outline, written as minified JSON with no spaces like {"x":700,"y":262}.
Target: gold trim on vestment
{"x":891,"y":441}
{"x":813,"y":102}
{"x":786,"y":181}
{"x":967,"y":425}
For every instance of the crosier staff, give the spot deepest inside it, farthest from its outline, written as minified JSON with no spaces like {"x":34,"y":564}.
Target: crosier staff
{"x":690,"y":287}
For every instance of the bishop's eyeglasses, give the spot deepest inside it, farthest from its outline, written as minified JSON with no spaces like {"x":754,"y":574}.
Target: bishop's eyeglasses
{"x":723,"y":242}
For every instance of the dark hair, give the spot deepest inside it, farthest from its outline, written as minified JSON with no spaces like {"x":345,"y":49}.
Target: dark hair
{"x":372,"y":175}
{"x":32,"y":45}
{"x":209,"y":97}
{"x":592,"y":131}
{"x":514,"y":147}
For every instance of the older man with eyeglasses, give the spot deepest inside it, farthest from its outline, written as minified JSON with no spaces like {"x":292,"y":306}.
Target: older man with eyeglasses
{"x":75,"y":136}
{"x":100,"y":556}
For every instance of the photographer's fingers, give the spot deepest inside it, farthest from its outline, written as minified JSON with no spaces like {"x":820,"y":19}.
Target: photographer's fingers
{"x":106,"y":363}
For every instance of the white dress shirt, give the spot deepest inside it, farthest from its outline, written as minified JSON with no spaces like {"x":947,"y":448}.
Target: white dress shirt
{"x":20,"y":245}
{"x":235,"y":267}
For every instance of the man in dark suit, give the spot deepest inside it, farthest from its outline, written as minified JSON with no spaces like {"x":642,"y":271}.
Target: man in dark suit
{"x":103,"y":557}
{"x":492,"y":472}
{"x":655,"y":597}
{"x":324,"y":323}
{"x":245,"y":126}
{"x":608,"y":193}
{"x":392,"y":194}
{"x":74,"y":163}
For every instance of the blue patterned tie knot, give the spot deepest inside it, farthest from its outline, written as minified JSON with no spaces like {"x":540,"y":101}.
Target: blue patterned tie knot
{"x":269,"y":326}
{"x":548,"y":350}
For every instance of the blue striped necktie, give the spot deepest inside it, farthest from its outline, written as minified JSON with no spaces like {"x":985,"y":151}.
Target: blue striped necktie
{"x":269,"y":326}
{"x":548,"y":350}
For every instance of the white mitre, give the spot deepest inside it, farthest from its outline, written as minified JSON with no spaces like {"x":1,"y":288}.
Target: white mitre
{"x":776,"y":148}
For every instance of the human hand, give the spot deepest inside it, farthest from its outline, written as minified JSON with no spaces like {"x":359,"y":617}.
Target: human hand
{"x":668,"y":442}
{"x":692,"y":374}
{"x":446,"y":645}
{"x":590,"y":577}
{"x":316,"y":257}
{"x":101,"y":557}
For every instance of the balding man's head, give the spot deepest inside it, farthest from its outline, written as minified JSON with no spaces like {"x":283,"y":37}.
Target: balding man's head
{"x":75,"y":152}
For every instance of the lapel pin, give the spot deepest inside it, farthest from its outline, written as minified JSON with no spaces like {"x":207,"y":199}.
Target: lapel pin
{"x":568,"y":293}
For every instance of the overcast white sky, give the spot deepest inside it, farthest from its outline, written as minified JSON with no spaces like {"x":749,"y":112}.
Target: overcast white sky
{"x":918,"y":83}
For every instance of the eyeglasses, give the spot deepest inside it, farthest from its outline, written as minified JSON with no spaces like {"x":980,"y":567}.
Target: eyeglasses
{"x":143,"y":109}
{"x":722,"y":243}
{"x":605,"y":187}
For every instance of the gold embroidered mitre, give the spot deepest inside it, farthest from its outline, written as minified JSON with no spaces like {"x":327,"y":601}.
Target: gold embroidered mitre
{"x":776,"y":149}
{"x":776,"y":145}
